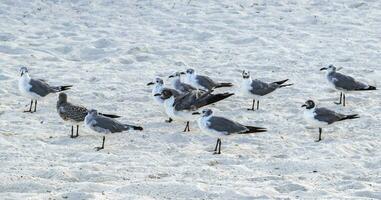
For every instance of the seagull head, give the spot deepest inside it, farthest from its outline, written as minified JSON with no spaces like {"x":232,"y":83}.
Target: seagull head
{"x":93,"y":112}
{"x":190,"y":72}
{"x":176,"y":74}
{"x":309,"y":104}
{"x":23,"y":70}
{"x":165,"y":94}
{"x":245,"y":74}
{"x":157,"y":81}
{"x":330,"y":68}
{"x":62,"y":97}
{"x":207,"y":112}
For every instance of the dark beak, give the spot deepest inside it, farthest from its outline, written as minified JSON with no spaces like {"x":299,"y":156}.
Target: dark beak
{"x":22,"y":73}
{"x":150,"y":83}
{"x":158,"y":94}
{"x":196,"y":113}
{"x":324,"y":68}
{"x":171,"y":76}
{"x":304,"y":105}
{"x":182,"y":73}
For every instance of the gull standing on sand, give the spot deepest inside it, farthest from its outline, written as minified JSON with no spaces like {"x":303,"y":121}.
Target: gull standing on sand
{"x":105,"y":125}
{"x":36,"y":89}
{"x":257,"y":88}
{"x":344,"y":83}
{"x":157,"y":89}
{"x":203,"y":82}
{"x":214,"y":125}
{"x":322,"y":117}
{"x":182,"y":106}
{"x":74,"y":114}
{"x":178,"y":85}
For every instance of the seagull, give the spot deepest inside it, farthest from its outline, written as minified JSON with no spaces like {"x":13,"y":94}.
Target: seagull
{"x":203,"y":82}
{"x":258,"y":88}
{"x":182,"y":106}
{"x":36,"y":88}
{"x":178,"y":85}
{"x":322,"y":117}
{"x":75,"y":114}
{"x":102,"y":124}
{"x":344,"y":83}
{"x":213,"y":125}
{"x":158,"y":87}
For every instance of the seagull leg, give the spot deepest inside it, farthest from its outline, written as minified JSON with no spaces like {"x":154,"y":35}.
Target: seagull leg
{"x":341,"y":96}
{"x":77,"y":131}
{"x":30,"y":106}
{"x":252,"y":107}
{"x":187,"y":129}
{"x":169,"y":120}
{"x":218,"y":146}
{"x":72,"y":132}
{"x":257,"y":104}
{"x":35,"y":105}
{"x":103,"y":144}
{"x":320,"y":130}
{"x":344,"y":100}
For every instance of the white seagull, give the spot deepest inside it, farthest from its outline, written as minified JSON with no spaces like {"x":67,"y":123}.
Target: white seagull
{"x":214,"y":125}
{"x":344,"y":83}
{"x":322,"y":117}
{"x":105,"y":125}
{"x":257,"y":88}
{"x":36,"y":89}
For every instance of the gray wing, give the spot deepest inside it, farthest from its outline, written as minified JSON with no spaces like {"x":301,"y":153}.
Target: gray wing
{"x":68,"y":111}
{"x":345,"y":82}
{"x":206,"y":82}
{"x":225,"y":125}
{"x":40,"y":87}
{"x":329,"y":116}
{"x":261,"y":88}
{"x":185,"y":101}
{"x":186,"y":88}
{"x":110,"y":124}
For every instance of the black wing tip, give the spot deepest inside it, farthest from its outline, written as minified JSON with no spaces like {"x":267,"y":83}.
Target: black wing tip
{"x":253,"y":129}
{"x":224,"y":85}
{"x":65,"y":87}
{"x":138,"y":128}
{"x":281,"y":82}
{"x":354,"y":116}
{"x":368,"y":88}
{"x":110,"y":115}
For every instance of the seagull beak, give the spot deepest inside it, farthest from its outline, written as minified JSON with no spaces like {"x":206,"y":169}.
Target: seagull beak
{"x":150,"y":83}
{"x":171,"y":76}
{"x":196,"y":113}
{"x":182,"y":73}
{"x":304,"y":105}
{"x":158,"y":94}
{"x":324,"y":68}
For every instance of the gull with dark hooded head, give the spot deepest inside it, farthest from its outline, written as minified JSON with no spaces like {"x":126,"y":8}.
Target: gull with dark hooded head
{"x":182,"y":106}
{"x":344,"y":83}
{"x":36,"y":89}
{"x":214,"y":125}
{"x":322,"y":117}
{"x":257,"y":88}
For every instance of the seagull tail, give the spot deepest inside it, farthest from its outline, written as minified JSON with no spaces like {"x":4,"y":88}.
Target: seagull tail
{"x":138,"y":128}
{"x":253,"y":129}
{"x":224,"y":85}
{"x":62,"y":88}
{"x":281,"y":82}
{"x":109,"y":115}
{"x":355,"y":116}
{"x":218,"y":97}
{"x":369,"y":88}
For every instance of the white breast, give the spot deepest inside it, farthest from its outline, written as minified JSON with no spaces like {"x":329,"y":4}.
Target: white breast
{"x":246,"y":87}
{"x":309,"y":116}
{"x":157,"y":90}
{"x":203,"y":124}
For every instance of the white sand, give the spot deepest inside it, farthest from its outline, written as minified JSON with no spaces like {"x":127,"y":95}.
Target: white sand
{"x":110,"y":49}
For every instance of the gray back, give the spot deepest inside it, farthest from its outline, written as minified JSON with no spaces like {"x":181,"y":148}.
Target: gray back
{"x":109,"y":124}
{"x":225,"y":125}
{"x":326,"y":115}
{"x":345,"y":82}
{"x":40,"y":87}
{"x":261,"y":88}
{"x":206,"y":82}
{"x":183,"y":87}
